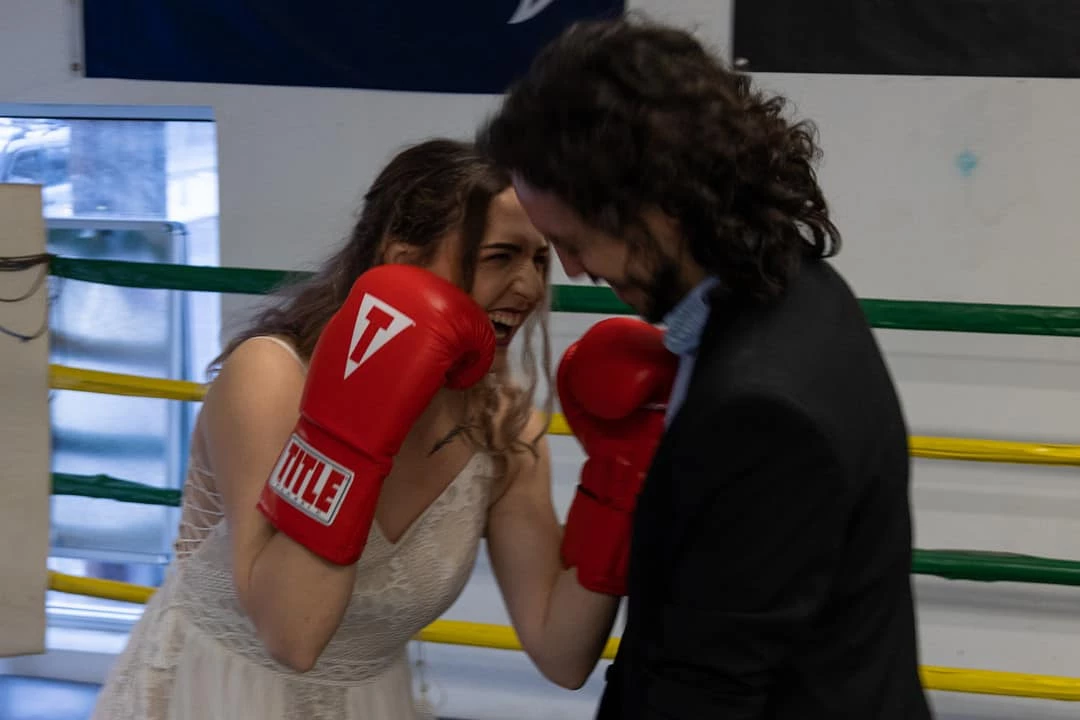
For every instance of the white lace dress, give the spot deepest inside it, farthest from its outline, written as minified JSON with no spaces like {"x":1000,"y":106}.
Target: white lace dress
{"x":194,"y":654}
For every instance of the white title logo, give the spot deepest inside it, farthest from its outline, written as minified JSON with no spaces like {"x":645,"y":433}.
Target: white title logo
{"x":377,"y":323}
{"x":527,"y":10}
{"x":310,"y":481}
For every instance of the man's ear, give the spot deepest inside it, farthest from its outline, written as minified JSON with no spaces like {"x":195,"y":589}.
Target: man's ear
{"x":665,"y":229}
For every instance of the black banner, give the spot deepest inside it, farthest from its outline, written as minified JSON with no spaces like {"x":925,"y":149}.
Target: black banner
{"x":980,"y":38}
{"x":454,"y":46}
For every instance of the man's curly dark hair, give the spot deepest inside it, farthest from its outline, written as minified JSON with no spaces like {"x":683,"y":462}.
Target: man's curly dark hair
{"x":617,"y":116}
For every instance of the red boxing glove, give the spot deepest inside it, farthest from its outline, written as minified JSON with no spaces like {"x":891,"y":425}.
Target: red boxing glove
{"x":402,"y":334}
{"x":613,"y":386}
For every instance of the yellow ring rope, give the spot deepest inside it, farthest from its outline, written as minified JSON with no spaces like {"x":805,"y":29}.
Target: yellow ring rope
{"x":501,"y":637}
{"x":62,"y":377}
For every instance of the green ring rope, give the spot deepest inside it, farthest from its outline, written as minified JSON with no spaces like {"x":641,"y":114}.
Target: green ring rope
{"x":885,"y":314}
{"x":950,"y":564}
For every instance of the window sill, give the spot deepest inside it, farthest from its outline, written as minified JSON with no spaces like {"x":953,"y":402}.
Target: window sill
{"x":71,"y":654}
{"x":81,"y":644}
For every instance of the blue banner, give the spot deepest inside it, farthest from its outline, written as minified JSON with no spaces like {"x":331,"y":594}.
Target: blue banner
{"x":452,"y":46}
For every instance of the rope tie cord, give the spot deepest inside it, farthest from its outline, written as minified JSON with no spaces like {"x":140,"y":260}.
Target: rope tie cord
{"x":19,"y":264}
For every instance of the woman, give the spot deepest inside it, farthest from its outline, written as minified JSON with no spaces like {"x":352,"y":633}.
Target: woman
{"x":249,"y":623}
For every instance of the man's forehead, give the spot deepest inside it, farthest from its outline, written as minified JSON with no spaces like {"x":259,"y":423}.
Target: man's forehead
{"x":550,"y":214}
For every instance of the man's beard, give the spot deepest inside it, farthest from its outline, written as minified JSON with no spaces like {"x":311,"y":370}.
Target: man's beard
{"x":662,"y":292}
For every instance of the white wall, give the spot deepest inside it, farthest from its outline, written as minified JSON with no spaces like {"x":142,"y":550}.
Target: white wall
{"x":294,"y":161}
{"x":918,"y":228}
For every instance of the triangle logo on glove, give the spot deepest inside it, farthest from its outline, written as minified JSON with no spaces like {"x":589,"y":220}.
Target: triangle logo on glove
{"x":377,"y":323}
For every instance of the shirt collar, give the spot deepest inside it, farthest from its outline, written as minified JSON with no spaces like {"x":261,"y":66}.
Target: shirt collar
{"x":687,"y":320}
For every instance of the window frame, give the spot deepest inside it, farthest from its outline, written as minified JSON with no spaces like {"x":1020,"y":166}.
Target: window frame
{"x":72,"y":621}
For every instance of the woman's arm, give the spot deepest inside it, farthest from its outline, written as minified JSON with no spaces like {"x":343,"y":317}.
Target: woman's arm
{"x":294,"y":598}
{"x":562,"y":626}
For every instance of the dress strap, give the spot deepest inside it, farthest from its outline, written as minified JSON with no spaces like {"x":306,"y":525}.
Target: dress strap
{"x":281,"y":343}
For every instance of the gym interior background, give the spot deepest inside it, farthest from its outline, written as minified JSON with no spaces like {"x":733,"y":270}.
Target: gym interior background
{"x":951,"y":163}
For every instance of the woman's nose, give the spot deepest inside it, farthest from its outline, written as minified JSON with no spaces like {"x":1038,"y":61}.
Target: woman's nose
{"x":531,"y":284}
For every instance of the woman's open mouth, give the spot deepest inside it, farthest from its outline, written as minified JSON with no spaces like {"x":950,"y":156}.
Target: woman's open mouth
{"x":506,"y":323}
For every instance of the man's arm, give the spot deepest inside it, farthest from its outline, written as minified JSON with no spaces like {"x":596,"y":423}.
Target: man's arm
{"x":764,"y":503}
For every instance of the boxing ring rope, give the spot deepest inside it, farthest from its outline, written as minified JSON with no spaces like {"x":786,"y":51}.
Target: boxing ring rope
{"x":62,"y":377}
{"x":883,"y":314}
{"x":887,"y":314}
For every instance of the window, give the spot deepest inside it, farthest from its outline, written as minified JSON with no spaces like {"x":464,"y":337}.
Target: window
{"x":118,"y":184}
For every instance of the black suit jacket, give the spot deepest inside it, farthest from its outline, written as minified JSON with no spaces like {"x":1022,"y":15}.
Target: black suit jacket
{"x":770,"y":572}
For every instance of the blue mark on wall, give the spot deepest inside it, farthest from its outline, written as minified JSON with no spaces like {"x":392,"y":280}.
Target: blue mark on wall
{"x":966,"y":162}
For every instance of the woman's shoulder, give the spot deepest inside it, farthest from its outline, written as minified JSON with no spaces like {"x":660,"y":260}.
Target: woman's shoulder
{"x":265,"y":352}
{"x":265,"y":366}
{"x":274,"y":343}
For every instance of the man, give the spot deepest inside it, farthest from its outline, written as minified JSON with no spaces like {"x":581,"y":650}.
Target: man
{"x":769,"y":574}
